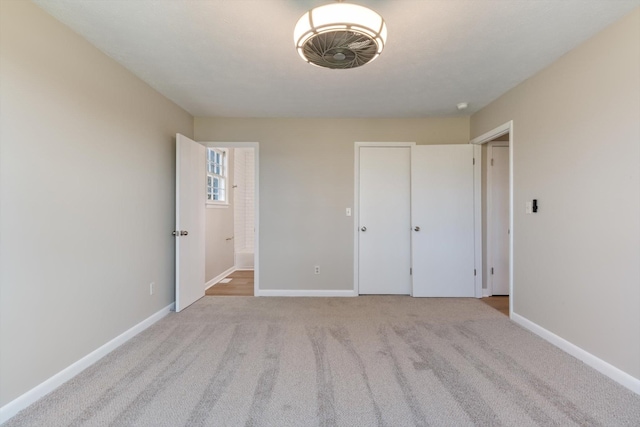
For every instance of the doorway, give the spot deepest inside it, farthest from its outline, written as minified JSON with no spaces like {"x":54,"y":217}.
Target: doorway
{"x":497,"y":266}
{"x":230,"y":224}
{"x":503,"y":133}
{"x":200,"y":182}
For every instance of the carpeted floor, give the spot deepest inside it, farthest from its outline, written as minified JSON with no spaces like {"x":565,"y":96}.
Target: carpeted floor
{"x":366,"y":361}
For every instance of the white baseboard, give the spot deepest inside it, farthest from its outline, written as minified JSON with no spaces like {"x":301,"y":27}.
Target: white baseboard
{"x":219,"y":277}
{"x":244,"y":268}
{"x":31,"y":396}
{"x":596,"y":363}
{"x":303,"y":293}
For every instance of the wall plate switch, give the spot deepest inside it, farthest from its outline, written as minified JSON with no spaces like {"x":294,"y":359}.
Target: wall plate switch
{"x":151,"y":285}
{"x":527,"y":207}
{"x":348,"y":211}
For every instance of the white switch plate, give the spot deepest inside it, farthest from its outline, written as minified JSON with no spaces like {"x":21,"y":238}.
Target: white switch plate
{"x":527,"y":207}
{"x":348,"y":211}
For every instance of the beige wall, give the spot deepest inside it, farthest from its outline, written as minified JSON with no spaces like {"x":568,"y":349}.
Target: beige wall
{"x":306,"y":182}
{"x":577,"y":150}
{"x":219,"y":252}
{"x":87,"y":192}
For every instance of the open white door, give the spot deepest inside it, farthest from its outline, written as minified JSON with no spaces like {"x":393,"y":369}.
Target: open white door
{"x":442,"y":214}
{"x":191,"y":190}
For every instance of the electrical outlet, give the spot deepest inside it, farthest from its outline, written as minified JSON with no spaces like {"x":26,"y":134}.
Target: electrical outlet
{"x":316,"y":270}
{"x":348,"y":211}
{"x":151,"y":285}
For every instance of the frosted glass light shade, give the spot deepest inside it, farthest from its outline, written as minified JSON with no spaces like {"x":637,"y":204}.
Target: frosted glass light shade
{"x":340,"y":18}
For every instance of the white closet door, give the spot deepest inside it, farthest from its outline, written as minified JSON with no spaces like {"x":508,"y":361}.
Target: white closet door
{"x":191,"y":181}
{"x":442,"y":215}
{"x":384,"y":220}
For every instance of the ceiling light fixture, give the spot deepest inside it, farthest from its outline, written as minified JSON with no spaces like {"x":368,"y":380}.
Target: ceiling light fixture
{"x":340,"y":35}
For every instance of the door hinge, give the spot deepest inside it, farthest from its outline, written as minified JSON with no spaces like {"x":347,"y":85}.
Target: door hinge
{"x":474,"y":160}
{"x":474,"y":271}
{"x":175,"y":233}
{"x":491,"y":162}
{"x":410,"y":271}
{"x":491,"y":270}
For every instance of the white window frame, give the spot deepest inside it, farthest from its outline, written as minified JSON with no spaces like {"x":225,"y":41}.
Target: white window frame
{"x":222,"y":176}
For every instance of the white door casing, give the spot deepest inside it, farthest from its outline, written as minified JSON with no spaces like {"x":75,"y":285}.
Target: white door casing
{"x":190,"y":221}
{"x":442,"y":200}
{"x":498,"y":220}
{"x":384,"y":241}
{"x":504,"y":129}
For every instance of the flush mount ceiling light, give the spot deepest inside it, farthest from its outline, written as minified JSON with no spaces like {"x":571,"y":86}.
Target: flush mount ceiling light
{"x":340,"y":35}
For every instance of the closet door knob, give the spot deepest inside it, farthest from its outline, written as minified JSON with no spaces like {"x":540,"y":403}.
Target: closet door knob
{"x":364,"y":228}
{"x":417,"y":228}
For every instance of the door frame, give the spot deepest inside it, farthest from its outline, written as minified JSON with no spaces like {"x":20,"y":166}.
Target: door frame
{"x":506,"y":128}
{"x":356,"y":203}
{"x":490,"y":231}
{"x":256,"y":244}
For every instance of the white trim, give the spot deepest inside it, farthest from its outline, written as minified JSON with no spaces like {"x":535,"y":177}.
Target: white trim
{"x":212,"y":205}
{"x":306,"y":293}
{"x":256,"y":197}
{"x":477,"y":214}
{"x":49,"y":385}
{"x":493,"y":133}
{"x":504,"y":129}
{"x":356,"y":202}
{"x":595,"y":362}
{"x":219,"y":277}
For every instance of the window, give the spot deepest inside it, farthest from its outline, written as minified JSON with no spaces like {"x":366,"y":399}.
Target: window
{"x":216,"y":176}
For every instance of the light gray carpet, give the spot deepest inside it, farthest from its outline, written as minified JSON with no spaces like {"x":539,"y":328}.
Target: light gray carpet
{"x":366,"y":361}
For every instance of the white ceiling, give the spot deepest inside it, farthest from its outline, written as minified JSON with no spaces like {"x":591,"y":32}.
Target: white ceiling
{"x":235,"y":58}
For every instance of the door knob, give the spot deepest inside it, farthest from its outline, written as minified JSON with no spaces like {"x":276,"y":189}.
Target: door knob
{"x":364,"y":229}
{"x":417,"y":228}
{"x":184,"y":233}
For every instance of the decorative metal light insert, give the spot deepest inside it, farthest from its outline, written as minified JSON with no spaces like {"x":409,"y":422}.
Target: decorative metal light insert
{"x":340,"y":35}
